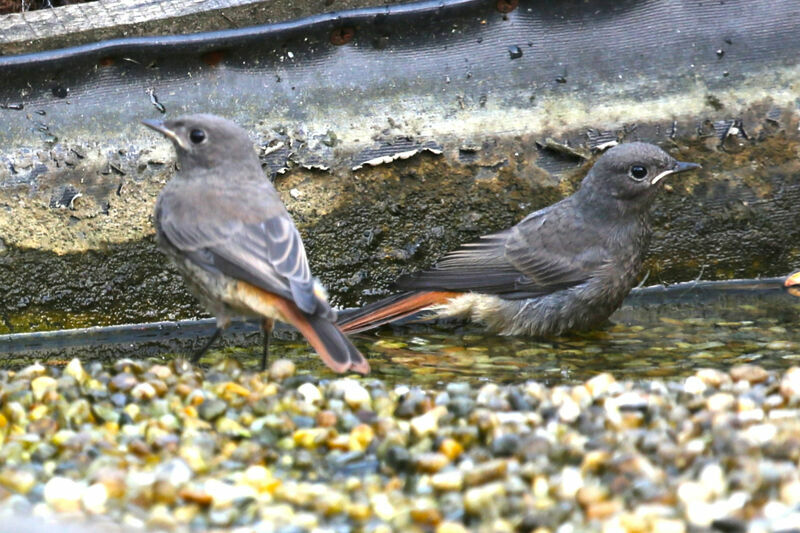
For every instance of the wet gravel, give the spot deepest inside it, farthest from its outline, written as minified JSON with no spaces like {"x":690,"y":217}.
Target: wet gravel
{"x":174,"y":447}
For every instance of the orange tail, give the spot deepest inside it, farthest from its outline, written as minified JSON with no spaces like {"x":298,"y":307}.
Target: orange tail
{"x":323,"y":335}
{"x":392,"y":308}
{"x":327,"y":339}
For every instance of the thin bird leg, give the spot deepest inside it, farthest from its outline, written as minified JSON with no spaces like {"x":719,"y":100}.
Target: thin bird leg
{"x":199,"y":353}
{"x":266,"y":328}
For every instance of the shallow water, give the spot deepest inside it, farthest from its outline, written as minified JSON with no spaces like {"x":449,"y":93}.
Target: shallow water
{"x":666,"y":333}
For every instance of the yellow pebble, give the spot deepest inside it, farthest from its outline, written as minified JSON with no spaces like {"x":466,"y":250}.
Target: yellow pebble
{"x":358,"y":511}
{"x":232,"y":388}
{"x":310,"y":437}
{"x":360,"y":437}
{"x":229,"y":448}
{"x":132,"y":410}
{"x":38,"y":412}
{"x":451,"y":448}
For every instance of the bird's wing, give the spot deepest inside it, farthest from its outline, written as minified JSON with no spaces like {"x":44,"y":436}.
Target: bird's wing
{"x":248,"y":236}
{"x":542,"y":254}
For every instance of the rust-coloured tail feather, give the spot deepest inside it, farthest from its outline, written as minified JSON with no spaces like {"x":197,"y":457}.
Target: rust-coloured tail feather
{"x":333,"y":347}
{"x":391,"y":309}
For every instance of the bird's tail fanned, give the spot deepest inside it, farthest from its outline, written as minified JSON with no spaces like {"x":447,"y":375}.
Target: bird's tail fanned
{"x":392,"y":308}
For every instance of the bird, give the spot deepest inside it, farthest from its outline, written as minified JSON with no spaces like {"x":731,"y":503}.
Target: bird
{"x":564,"y":267}
{"x":792,"y":284}
{"x":223,"y":224}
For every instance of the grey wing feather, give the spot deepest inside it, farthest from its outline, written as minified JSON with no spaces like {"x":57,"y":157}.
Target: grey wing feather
{"x":521,"y":262}
{"x":268,"y":254}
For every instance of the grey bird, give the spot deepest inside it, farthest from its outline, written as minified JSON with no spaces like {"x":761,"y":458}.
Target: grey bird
{"x":223,"y":224}
{"x":565,"y":267}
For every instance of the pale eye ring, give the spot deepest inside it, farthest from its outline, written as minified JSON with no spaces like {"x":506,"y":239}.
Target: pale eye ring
{"x":638,"y":172}
{"x":197,"y":136}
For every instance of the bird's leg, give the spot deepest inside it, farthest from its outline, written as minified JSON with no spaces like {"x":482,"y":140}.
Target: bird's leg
{"x":266,"y":328}
{"x":199,"y":353}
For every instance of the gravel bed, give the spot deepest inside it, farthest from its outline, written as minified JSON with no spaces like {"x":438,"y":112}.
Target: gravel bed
{"x":173,"y":447}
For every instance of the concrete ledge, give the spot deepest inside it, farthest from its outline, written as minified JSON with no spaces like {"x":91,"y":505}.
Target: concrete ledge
{"x":506,"y":111}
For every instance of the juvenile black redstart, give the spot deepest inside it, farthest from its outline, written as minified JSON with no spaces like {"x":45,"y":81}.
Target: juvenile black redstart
{"x":792,"y":284}
{"x":567,"y":266}
{"x":223,"y":224}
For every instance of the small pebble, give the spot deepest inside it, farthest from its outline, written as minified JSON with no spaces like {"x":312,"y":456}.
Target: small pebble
{"x":355,"y":395}
{"x":428,"y":423}
{"x":211,"y":409}
{"x":42,"y":385}
{"x":281,"y":369}
{"x":63,"y":494}
{"x":76,"y":370}
{"x":452,"y":480}
{"x":749,"y":373}
{"x":95,"y":498}
{"x":310,"y":393}
{"x":143,"y":392}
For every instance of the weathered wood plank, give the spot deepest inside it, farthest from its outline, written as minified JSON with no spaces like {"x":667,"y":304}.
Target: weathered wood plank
{"x":108,"y":19}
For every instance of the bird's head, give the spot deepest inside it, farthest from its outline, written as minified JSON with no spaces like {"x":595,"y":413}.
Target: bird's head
{"x":207,"y":142}
{"x":631,"y":173}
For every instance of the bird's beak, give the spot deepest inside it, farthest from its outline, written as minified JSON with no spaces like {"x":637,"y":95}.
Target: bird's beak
{"x":792,"y":284}
{"x":160,"y":127}
{"x":680,"y":166}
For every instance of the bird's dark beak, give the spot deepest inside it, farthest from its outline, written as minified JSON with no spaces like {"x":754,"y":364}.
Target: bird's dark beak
{"x":792,"y":284}
{"x":160,"y":127}
{"x":680,"y":166}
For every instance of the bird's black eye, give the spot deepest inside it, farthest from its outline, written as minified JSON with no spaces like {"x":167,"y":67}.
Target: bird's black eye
{"x":197,"y":136}
{"x":638,"y":172}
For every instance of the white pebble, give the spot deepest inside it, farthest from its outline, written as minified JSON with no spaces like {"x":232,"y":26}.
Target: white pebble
{"x":42,"y":385}
{"x":721,"y":401}
{"x":570,"y":482}
{"x":175,"y":471}
{"x":790,"y":384}
{"x":667,"y":525}
{"x":75,"y":369}
{"x":569,"y":411}
{"x":95,"y":498}
{"x":600,"y":384}
{"x":355,"y":395}
{"x":382,"y":507}
{"x":310,"y":393}
{"x":712,"y":477}
{"x":63,"y":494}
{"x":224,"y":494}
{"x":694,"y":385}
{"x":428,"y":423}
{"x":693,"y":492}
{"x":143,"y":391}
{"x":760,"y":434}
